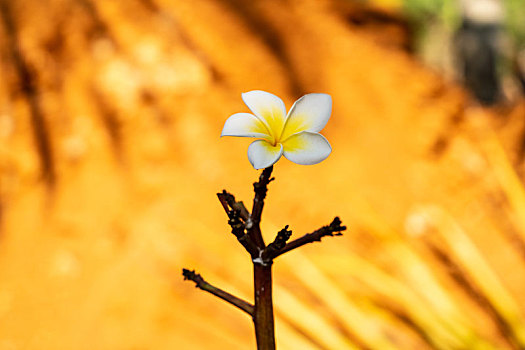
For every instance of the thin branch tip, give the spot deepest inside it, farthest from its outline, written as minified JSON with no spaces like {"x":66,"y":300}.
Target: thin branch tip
{"x":335,"y":226}
{"x":188,"y":274}
{"x":228,"y":202}
{"x":191,"y":275}
{"x":282,"y":237}
{"x":334,"y":229}
{"x":277,"y":245}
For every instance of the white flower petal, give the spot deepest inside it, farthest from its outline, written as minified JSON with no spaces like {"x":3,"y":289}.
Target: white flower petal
{"x":262,"y":154}
{"x":307,"y":148}
{"x":268,"y":108}
{"x":309,"y":113}
{"x":244,"y":125}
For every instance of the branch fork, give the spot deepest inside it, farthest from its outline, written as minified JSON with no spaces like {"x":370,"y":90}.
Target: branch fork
{"x":245,"y":226}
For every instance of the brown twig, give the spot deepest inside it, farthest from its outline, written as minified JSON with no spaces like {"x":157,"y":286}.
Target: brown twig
{"x":205,"y":286}
{"x":253,"y":223}
{"x":237,"y":215}
{"x":334,"y":229}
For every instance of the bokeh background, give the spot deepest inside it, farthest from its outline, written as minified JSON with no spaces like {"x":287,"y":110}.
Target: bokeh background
{"x":110,"y":159}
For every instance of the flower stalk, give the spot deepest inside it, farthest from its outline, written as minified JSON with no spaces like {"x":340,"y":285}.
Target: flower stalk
{"x":263,"y":319}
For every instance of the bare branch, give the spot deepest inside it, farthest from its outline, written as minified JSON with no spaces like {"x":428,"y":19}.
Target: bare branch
{"x":237,"y":215}
{"x":334,"y":229}
{"x":260,"y":187}
{"x":252,"y":224}
{"x":205,"y":286}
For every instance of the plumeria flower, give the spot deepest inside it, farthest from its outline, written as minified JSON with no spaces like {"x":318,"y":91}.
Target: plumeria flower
{"x":294,"y":135}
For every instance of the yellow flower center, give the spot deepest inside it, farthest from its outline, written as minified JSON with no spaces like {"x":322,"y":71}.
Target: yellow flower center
{"x":274,"y":119}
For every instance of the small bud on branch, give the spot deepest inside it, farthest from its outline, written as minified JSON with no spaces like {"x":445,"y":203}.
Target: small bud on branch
{"x":228,"y":201}
{"x":277,"y":245}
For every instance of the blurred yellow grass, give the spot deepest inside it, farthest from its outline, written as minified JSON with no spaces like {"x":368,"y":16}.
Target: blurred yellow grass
{"x":478,"y":269}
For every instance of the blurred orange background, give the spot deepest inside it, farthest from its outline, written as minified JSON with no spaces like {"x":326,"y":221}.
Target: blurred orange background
{"x":110,"y":161}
